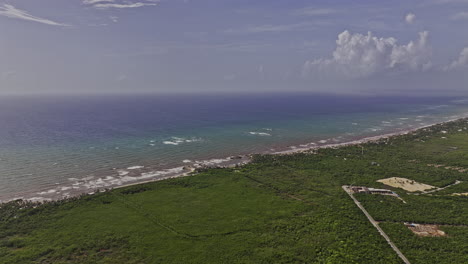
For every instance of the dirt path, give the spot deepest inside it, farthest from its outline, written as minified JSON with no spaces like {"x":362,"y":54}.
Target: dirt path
{"x":440,"y":189}
{"x":376,"y":225}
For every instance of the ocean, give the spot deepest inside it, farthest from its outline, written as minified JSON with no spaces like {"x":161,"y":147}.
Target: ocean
{"x":54,"y":146}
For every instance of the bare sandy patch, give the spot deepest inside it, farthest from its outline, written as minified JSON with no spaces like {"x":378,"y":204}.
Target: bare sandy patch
{"x":459,"y":169}
{"x":460,"y":194}
{"x":425,"y":230}
{"x":406,"y":184}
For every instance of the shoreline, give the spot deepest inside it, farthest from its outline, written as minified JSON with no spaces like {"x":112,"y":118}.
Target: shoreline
{"x":136,"y":175}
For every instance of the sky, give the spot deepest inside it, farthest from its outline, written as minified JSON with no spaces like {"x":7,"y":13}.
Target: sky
{"x":404,"y":47}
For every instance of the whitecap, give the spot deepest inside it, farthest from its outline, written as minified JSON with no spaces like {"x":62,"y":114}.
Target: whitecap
{"x":170,"y":143}
{"x":135,"y":167}
{"x":212,"y":162}
{"x":186,"y":161}
{"x":437,"y":106}
{"x":259,"y":133}
{"x":122,"y":172}
{"x":48,"y":192}
{"x":178,"y":140}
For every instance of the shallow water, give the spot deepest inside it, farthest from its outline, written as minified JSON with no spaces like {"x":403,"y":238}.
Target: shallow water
{"x":53,"y":144}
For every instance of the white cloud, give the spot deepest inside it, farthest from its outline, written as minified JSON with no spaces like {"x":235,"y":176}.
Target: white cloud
{"x":133,"y":5}
{"x":7,"y":75}
{"x":106,"y":4}
{"x":12,"y":12}
{"x":272,"y":28}
{"x":312,"y":11}
{"x":122,"y":77}
{"x":460,"y":16}
{"x":278,"y":28}
{"x":261,"y":72}
{"x":409,"y":18}
{"x":462,"y":61}
{"x":440,"y":2}
{"x":229,"y":77}
{"x":92,"y":2}
{"x":358,"y":55}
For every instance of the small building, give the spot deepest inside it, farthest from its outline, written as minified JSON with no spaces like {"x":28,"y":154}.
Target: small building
{"x":359,"y":189}
{"x":363,"y":189}
{"x":382,"y":191}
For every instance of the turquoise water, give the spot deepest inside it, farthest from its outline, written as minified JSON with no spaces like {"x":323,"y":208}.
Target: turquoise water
{"x":54,"y":146}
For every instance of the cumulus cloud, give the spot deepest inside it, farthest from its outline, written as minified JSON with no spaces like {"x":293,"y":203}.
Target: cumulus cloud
{"x":358,"y":55}
{"x":409,"y":18}
{"x":13,"y":12}
{"x":462,"y":61}
{"x":106,"y":4}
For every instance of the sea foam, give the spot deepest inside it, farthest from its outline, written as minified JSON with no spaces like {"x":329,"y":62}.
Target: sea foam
{"x":260,"y":133}
{"x":178,"y":140}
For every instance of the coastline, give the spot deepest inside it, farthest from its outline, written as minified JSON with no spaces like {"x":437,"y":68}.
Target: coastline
{"x":136,"y":175}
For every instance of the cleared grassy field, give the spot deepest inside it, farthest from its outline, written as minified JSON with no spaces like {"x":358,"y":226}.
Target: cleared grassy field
{"x":279,"y":209}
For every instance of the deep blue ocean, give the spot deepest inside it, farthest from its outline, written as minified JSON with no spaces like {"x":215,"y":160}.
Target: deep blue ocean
{"x":60,"y":145}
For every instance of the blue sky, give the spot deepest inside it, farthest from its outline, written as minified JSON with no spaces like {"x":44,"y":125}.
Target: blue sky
{"x":129,"y":46}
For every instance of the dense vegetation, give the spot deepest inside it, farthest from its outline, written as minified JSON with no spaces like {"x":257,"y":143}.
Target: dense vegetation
{"x":278,"y":209}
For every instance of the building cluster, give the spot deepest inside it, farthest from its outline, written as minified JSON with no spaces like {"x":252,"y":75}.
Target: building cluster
{"x":363,"y":189}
